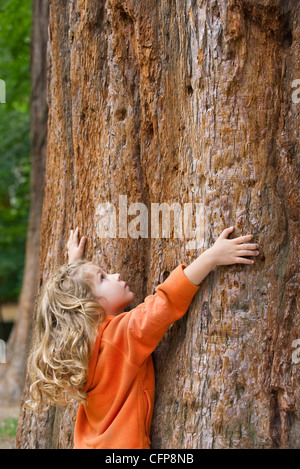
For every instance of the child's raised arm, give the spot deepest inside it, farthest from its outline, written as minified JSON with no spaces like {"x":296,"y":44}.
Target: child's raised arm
{"x":134,"y":335}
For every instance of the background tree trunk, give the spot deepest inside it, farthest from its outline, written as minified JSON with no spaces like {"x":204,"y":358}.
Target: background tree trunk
{"x":12,"y":373}
{"x":185,"y":102}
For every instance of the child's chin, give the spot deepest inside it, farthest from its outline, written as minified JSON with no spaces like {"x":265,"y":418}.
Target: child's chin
{"x":130,"y":297}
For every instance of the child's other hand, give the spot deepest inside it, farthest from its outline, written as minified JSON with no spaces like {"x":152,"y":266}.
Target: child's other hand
{"x":230,"y":251}
{"x":74,"y":247}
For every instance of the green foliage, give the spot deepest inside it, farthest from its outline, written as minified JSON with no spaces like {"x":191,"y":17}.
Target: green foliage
{"x":15,"y":32}
{"x":8,"y":427}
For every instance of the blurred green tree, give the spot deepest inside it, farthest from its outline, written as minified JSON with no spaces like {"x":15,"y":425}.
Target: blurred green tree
{"x":15,"y":27}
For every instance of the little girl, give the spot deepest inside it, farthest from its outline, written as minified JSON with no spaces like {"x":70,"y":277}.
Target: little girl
{"x":87,"y":349}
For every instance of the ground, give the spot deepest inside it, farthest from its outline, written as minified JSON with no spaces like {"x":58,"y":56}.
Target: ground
{"x":9,"y":415}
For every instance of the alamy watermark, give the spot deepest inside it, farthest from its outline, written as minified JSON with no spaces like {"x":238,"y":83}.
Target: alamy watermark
{"x":2,"y":351}
{"x":296,"y":93}
{"x":109,"y":225}
{"x":2,"y":92}
{"x":296,"y":353}
{"x":296,"y":342}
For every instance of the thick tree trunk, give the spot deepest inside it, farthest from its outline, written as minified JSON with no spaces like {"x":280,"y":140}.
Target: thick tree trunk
{"x":12,"y":374}
{"x":187,"y":102}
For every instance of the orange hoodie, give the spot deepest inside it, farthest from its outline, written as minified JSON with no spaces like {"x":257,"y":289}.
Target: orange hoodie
{"x":121,"y":382}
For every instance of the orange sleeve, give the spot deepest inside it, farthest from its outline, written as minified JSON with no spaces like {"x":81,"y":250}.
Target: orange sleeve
{"x":138,"y":332}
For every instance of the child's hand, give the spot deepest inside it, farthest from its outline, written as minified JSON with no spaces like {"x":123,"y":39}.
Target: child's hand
{"x":230,"y":251}
{"x":74,"y":247}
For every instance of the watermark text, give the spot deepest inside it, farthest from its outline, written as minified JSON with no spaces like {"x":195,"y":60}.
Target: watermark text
{"x":2,"y":92}
{"x":296,"y":93}
{"x":296,"y":353}
{"x":2,"y":351}
{"x":109,"y":225}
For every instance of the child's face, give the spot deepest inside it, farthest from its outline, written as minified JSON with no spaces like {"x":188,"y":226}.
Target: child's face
{"x":113,"y":294}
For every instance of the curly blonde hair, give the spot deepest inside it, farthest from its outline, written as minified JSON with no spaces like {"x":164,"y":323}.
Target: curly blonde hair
{"x":63,"y":338}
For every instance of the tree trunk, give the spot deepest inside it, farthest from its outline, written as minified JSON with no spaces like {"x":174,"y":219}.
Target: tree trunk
{"x":187,"y":102}
{"x":12,"y":374}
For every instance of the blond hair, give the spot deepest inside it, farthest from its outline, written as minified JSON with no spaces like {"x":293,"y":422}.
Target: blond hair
{"x":63,"y":338}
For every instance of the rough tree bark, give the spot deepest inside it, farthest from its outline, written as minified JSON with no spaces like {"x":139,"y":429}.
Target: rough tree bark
{"x":185,"y":102}
{"x":12,"y":373}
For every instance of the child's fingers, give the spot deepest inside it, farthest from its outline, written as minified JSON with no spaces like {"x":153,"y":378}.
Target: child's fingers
{"x":82,"y":241}
{"x":247,"y":252}
{"x":247,"y":246}
{"x":73,"y":233}
{"x":226,"y":232}
{"x":74,"y":241}
{"x":241,"y":260}
{"x":243,"y":239}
